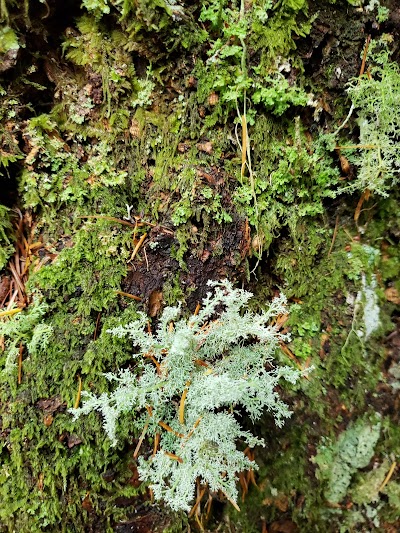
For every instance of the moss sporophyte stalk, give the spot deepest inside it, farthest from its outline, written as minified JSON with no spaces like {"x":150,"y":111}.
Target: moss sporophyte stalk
{"x":191,"y":379}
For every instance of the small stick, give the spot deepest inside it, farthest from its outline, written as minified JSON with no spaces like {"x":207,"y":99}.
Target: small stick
{"x":193,"y":428}
{"x":244,"y":145}
{"x":169,"y":428}
{"x":13,"y":298}
{"x":201,"y":363}
{"x":387,"y":478}
{"x":17,"y":263}
{"x":252,"y":478}
{"x":111,"y":219}
{"x":175,"y":457}
{"x":132,"y":296}
{"x":97,"y":326}
{"x":139,"y":244}
{"x":150,"y":356}
{"x":349,"y":235}
{"x":36,"y":245}
{"x":156,"y":443}
{"x":356,"y":146}
{"x":197,"y":310}
{"x":10,"y":312}
{"x":27,"y":263}
{"x":78,"y":394}
{"x":145,"y":258}
{"x":21,"y":349}
{"x":289,"y":353}
{"x":139,"y":444}
{"x":364,"y":59}
{"x":235,"y":505}
{"x":20,"y":287}
{"x":334,"y":235}
{"x":365,"y":195}
{"x":126,"y":223}
{"x":182,"y":404}
{"x":208,"y":509}
{"x":197,"y":502}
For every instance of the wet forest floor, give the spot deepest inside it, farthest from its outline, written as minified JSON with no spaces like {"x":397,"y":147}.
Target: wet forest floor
{"x":149,"y":146}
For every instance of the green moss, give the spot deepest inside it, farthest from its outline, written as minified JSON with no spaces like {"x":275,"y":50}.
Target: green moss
{"x":142,"y":87}
{"x":8,"y":40}
{"x":6,"y":246}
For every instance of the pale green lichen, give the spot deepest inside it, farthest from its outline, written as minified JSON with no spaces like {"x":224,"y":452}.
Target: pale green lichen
{"x":201,"y":428}
{"x":339,"y":461}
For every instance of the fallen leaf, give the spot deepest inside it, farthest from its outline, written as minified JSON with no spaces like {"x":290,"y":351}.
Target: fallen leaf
{"x":86,"y":503}
{"x":4,"y":287}
{"x":48,"y":420}
{"x":206,"y":147}
{"x":73,"y":440}
{"x":392,"y":295}
{"x":51,"y":405}
{"x":155,"y":301}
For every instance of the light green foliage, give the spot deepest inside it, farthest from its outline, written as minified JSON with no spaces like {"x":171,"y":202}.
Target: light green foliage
{"x":199,"y":206}
{"x":10,"y":150}
{"x":6,"y":246}
{"x":98,"y":248}
{"x":26,"y":327}
{"x":366,"y":489}
{"x":233,"y":347}
{"x":293,"y":176}
{"x":392,"y":490}
{"x":8,"y":40}
{"x":106,"y":56}
{"x":227,"y":70}
{"x":277,"y":95}
{"x":374,"y":99}
{"x":146,"y":23}
{"x":354,"y":449}
{"x":55,"y":176}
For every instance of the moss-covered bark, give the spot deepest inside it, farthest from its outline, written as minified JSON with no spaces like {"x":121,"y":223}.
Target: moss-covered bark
{"x":211,"y":129}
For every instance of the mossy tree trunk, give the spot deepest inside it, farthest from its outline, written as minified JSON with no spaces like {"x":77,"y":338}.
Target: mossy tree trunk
{"x":151,"y":145}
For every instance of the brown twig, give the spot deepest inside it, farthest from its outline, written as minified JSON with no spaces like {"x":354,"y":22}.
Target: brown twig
{"x":356,"y":146}
{"x":78,"y":394}
{"x":111,"y":219}
{"x":182,"y":403}
{"x":17,"y":279}
{"x":21,"y":350}
{"x":365,"y":196}
{"x":139,"y":444}
{"x":97,"y":326}
{"x":193,"y":428}
{"x":364,"y":59}
{"x":387,"y":478}
{"x":173,"y":456}
{"x":139,"y":222}
{"x":156,"y":443}
{"x":290,"y":354}
{"x":132,"y":296}
{"x":139,"y":244}
{"x":169,"y":429}
{"x":197,"y":502}
{"x":10,"y":312}
{"x":334,"y":235}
